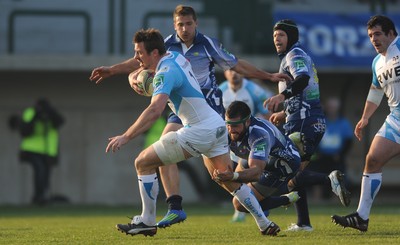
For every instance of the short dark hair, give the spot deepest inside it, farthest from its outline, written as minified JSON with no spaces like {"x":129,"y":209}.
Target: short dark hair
{"x":383,"y":21}
{"x":182,"y":10}
{"x":238,"y":109}
{"x":152,"y":39}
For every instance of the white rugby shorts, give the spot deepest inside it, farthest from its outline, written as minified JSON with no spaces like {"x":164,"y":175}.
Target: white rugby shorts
{"x":391,"y":128}
{"x":210,"y":142}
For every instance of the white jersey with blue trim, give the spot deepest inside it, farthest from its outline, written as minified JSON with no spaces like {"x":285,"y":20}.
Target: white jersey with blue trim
{"x":203,"y":54}
{"x":250,"y":93}
{"x":174,"y":77}
{"x":386,"y":73}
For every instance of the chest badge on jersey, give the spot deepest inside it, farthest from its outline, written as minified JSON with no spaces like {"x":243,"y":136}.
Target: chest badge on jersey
{"x":260,"y":150}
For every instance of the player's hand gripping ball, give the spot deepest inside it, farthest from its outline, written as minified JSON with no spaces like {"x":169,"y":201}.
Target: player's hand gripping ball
{"x":145,"y":82}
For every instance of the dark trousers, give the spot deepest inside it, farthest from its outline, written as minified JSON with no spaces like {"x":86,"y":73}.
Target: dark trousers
{"x":41,"y":176}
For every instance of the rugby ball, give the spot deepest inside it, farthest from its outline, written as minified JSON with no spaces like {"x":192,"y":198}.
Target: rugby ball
{"x":145,"y":82}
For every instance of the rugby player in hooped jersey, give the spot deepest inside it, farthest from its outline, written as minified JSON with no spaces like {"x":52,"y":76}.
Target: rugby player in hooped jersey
{"x":386,"y":143}
{"x":204,"y":134}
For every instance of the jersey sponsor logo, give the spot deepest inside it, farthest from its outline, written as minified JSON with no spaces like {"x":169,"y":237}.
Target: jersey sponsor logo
{"x":259,"y":150}
{"x":388,"y":74}
{"x":158,"y":81}
{"x":312,"y":95}
{"x":300,"y":65}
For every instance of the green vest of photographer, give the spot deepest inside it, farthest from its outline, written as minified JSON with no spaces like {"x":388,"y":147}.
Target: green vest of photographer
{"x":44,"y":136}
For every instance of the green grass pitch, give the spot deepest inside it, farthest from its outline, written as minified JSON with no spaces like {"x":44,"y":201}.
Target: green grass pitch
{"x":206,"y":224}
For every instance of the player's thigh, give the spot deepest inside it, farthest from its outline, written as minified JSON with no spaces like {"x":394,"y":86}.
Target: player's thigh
{"x":267,"y":185}
{"x":380,"y":152}
{"x":169,"y":149}
{"x":170,"y":169}
{"x":147,"y":160}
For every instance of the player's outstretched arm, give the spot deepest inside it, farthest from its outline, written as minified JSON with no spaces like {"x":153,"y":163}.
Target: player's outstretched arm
{"x":248,"y":70}
{"x":103,"y":72}
{"x":142,"y":124}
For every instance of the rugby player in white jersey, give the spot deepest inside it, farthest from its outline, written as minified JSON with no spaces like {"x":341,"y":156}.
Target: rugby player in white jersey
{"x":203,"y":53}
{"x":386,"y":143}
{"x":204,"y":134}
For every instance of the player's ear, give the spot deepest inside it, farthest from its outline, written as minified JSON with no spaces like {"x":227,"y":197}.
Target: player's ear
{"x":154,"y":52}
{"x":248,"y":122}
{"x":391,"y":33}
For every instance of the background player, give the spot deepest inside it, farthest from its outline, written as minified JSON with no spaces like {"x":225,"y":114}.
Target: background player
{"x":302,"y":113}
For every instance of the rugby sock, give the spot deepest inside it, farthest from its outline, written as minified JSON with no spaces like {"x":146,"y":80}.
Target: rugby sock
{"x":174,"y":202}
{"x":370,"y":185}
{"x":245,"y":196}
{"x":303,"y":217}
{"x":273,"y":202}
{"x":308,"y":178}
{"x":148,"y":187}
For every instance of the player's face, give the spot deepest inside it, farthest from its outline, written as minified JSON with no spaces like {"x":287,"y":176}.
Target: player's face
{"x":280,"y":41}
{"x":234,"y":78}
{"x":379,"y":40}
{"x":141,"y":55}
{"x":236,"y":131}
{"x":185,"y":27}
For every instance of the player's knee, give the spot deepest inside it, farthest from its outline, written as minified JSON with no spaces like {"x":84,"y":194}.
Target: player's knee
{"x":372,"y":163}
{"x":141,"y":162}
